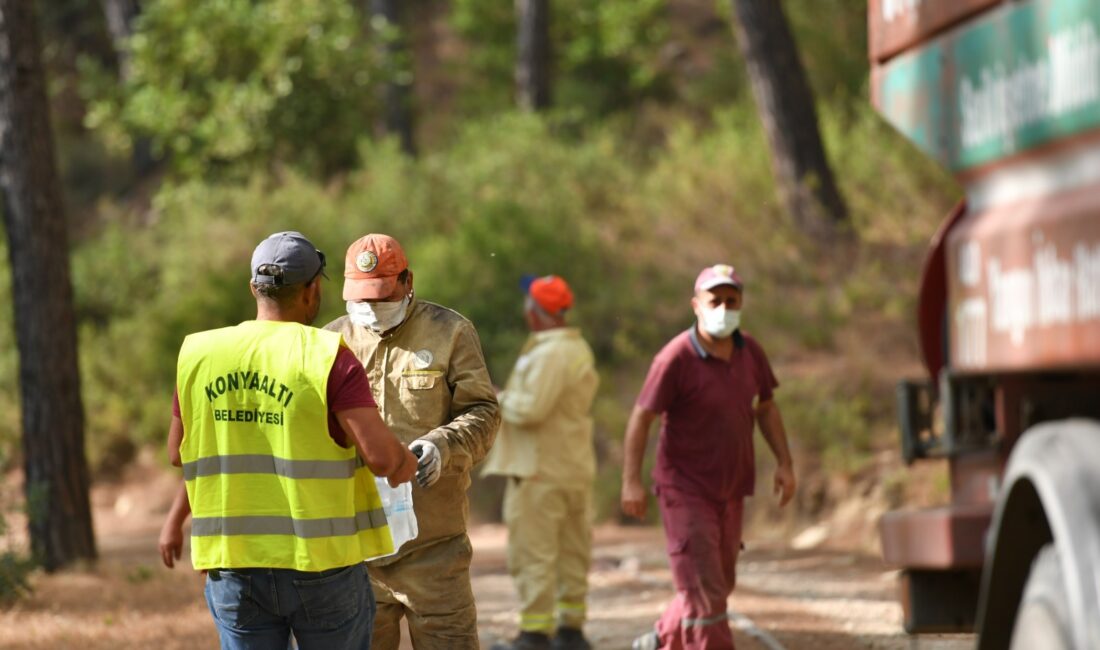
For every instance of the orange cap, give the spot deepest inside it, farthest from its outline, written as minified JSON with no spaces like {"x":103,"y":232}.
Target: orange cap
{"x":371,"y":267}
{"x":551,"y":293}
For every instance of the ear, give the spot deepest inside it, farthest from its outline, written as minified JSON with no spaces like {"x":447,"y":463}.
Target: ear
{"x":312,"y":292}
{"x":697,"y":306}
{"x":410,"y":281}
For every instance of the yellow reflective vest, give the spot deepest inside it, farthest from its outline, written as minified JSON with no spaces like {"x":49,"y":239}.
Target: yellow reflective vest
{"x":267,"y":484}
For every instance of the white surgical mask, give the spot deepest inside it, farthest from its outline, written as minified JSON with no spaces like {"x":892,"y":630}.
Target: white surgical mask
{"x":378,"y":316}
{"x":720,"y":322}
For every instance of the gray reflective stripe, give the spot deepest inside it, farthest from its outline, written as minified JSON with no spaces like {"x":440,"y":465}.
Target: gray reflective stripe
{"x":745,"y":623}
{"x":703,"y":622}
{"x":264,"y":464}
{"x":304,"y":528}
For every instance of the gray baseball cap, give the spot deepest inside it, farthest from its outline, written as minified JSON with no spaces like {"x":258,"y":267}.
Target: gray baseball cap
{"x":297,"y":259}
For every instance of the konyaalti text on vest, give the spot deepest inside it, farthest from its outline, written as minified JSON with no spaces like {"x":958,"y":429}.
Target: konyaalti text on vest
{"x":250,"y":380}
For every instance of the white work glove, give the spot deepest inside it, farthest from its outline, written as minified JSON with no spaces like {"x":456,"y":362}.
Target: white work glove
{"x":431,"y":462}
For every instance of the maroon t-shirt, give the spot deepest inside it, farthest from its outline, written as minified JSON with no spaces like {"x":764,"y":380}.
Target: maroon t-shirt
{"x":706,"y":443}
{"x":347,"y":389}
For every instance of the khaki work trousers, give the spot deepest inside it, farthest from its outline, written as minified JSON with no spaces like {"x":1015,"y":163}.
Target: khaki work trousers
{"x":431,"y":587}
{"x":549,"y":551}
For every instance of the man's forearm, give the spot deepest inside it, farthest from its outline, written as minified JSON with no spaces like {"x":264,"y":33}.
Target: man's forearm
{"x":465,"y":440}
{"x":175,"y":439}
{"x":379,"y":449}
{"x":634,"y":444}
{"x":181,"y":507}
{"x":775,"y":434}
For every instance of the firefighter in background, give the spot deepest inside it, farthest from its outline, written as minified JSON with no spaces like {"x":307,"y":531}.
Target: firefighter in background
{"x":545,"y":451}
{"x":426,"y":369}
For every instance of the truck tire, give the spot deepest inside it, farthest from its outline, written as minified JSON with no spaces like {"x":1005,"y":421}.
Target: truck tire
{"x":1042,"y":620}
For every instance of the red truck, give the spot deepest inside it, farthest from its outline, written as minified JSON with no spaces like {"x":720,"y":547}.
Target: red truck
{"x":1006,"y":95}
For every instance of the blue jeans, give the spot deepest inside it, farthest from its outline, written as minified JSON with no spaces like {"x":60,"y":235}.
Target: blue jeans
{"x":259,"y":608}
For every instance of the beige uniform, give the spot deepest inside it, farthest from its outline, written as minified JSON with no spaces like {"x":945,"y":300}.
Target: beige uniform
{"x":429,"y":378}
{"x":545,"y":447}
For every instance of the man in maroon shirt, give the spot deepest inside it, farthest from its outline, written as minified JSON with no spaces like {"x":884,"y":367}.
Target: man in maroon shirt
{"x":711,"y":384}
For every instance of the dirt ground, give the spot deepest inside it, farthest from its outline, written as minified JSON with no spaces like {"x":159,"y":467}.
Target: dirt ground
{"x":824,"y":600}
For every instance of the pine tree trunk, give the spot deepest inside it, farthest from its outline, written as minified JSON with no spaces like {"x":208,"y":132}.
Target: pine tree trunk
{"x":397,"y":91}
{"x":60,"y":517}
{"x":533,"y":54}
{"x":120,"y":15}
{"x":785,"y":103}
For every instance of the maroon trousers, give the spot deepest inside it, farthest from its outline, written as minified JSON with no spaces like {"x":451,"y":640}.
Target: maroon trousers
{"x":704,"y":537}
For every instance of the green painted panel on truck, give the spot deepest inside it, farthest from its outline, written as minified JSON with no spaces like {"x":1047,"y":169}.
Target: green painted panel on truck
{"x":1014,"y":78}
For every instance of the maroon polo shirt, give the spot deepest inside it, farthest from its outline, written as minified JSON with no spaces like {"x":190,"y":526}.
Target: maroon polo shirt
{"x":347,"y":389}
{"x":708,"y":415}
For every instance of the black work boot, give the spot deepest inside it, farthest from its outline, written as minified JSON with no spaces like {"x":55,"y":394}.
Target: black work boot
{"x":570,"y":638}
{"x":526,"y":641}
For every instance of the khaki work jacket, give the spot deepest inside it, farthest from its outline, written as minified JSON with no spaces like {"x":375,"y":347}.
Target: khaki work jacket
{"x":547,"y":428}
{"x":429,"y":379}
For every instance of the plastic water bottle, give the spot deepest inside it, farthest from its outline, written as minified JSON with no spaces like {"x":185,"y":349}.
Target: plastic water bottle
{"x":397,"y":502}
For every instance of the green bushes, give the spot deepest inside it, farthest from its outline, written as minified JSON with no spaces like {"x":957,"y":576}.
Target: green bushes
{"x":230,"y":86}
{"x":832,"y":422}
{"x":13,"y":577}
{"x":606,"y":53}
{"x":506,"y":199}
{"x":15,"y":567}
{"x":10,"y":411}
{"x":15,"y":571}
{"x":509,"y":196}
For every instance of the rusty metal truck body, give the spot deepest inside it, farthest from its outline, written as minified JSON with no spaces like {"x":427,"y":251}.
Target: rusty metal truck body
{"x":1006,"y":95}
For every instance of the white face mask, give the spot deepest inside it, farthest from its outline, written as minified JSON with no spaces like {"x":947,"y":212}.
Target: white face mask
{"x":378,"y":316}
{"x":720,"y":322}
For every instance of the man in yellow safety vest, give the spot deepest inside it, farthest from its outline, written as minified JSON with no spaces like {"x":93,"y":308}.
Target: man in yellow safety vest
{"x":280,"y":439}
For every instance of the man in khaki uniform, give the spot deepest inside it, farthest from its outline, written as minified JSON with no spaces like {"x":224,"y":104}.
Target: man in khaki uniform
{"x":428,"y":375}
{"x":545,"y":450}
